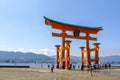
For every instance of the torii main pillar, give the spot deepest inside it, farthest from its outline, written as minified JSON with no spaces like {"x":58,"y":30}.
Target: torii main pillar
{"x":62,"y":51}
{"x":76,"y":29}
{"x":87,"y":51}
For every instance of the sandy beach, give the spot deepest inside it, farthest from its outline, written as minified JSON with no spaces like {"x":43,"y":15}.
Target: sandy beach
{"x":45,"y":74}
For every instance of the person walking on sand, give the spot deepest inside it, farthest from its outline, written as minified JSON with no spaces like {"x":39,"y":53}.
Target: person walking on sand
{"x":109,"y":65}
{"x":91,"y":70}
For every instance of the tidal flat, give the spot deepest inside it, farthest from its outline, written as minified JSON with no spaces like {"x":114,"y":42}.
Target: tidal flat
{"x":46,"y":74}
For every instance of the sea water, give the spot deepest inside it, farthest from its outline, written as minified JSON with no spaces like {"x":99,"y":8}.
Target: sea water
{"x":37,"y":65}
{"x":32,"y":65}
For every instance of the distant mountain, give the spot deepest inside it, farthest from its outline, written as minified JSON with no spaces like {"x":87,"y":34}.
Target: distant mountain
{"x":114,"y":58}
{"x":75,"y":58}
{"x":71,"y":57}
{"x":6,"y":55}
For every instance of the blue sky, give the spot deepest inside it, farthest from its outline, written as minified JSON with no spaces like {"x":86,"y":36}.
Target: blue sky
{"x":22,"y":26}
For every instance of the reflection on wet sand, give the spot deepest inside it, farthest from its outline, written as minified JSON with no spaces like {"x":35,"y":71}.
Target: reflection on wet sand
{"x":112,"y":73}
{"x":46,"y":74}
{"x":61,"y":78}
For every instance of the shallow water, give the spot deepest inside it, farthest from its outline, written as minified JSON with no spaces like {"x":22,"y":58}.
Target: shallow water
{"x":61,"y":78}
{"x":114,"y":74}
{"x":33,"y":65}
{"x":111,"y":73}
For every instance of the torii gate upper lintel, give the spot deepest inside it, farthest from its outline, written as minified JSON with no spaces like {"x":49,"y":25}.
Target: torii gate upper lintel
{"x":76,"y":29}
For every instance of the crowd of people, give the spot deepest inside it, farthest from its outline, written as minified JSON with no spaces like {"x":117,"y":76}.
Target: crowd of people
{"x":82,"y":67}
{"x":51,"y":67}
{"x":99,"y":66}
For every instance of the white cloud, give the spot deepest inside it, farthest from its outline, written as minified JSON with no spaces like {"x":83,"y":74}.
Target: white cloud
{"x":16,"y":50}
{"x":21,"y":49}
{"x":45,"y":51}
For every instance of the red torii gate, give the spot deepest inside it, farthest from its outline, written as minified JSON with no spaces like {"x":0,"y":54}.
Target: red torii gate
{"x":76,"y":29}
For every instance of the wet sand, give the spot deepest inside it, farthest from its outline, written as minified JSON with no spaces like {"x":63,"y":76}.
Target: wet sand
{"x":45,"y":74}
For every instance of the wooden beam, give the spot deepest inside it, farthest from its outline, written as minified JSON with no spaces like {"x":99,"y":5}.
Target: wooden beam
{"x":74,"y":37}
{"x":92,"y":60}
{"x":70,"y":27}
{"x":93,"y":49}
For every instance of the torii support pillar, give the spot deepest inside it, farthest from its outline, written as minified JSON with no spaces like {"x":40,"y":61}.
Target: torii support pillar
{"x":82,"y":55}
{"x":62,"y":50}
{"x":96,"y":46}
{"x":57,"y":55}
{"x":67,"y":61}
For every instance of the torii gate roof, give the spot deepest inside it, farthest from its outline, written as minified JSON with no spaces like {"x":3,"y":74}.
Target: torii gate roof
{"x":71,"y":27}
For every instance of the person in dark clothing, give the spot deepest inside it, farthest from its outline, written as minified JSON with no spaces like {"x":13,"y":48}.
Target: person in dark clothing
{"x":48,"y":66}
{"x":78,"y":66}
{"x":70,"y":67}
{"x":106,"y":66}
{"x":109,"y":65}
{"x":52,"y":67}
{"x":94,"y":66}
{"x":82,"y":67}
